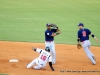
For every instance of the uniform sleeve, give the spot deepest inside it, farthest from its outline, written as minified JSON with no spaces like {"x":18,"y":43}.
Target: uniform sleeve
{"x":38,"y":50}
{"x":89,"y":32}
{"x":50,"y":59}
{"x":78,"y":34}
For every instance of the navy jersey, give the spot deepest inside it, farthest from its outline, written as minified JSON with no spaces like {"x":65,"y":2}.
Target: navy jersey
{"x":48,"y":34}
{"x":83,"y":34}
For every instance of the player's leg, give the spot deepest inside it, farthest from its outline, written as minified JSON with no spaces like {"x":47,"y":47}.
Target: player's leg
{"x":32,"y":63}
{"x":90,"y":51}
{"x":39,"y":66}
{"x":53,"y":53}
{"x":89,"y":55}
{"x":85,"y":45}
{"x":47,"y":44}
{"x":52,"y":50}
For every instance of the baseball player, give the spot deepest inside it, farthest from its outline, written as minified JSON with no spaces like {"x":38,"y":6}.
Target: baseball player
{"x":43,"y":58}
{"x":83,"y":37}
{"x":49,"y":39}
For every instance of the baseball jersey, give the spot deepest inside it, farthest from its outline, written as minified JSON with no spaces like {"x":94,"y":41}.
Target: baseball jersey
{"x":44,"y":56}
{"x":48,"y":34}
{"x":83,"y":34}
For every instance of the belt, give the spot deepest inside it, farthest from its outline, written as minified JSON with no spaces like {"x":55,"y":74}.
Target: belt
{"x":49,"y":41}
{"x":84,"y":40}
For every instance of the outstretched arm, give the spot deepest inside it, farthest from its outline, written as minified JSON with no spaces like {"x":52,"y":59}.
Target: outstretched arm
{"x":37,"y":49}
{"x":94,"y":37}
{"x":33,"y":48}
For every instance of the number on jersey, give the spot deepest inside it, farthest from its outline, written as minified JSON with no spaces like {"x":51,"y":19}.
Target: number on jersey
{"x":84,"y":33}
{"x":43,"y":57}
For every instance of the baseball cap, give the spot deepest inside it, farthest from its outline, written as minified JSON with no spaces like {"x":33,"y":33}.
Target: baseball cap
{"x":81,"y":24}
{"x":48,"y":24}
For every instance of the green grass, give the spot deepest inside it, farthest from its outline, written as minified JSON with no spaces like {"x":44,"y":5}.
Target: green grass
{"x":3,"y":74}
{"x":25,"y":20}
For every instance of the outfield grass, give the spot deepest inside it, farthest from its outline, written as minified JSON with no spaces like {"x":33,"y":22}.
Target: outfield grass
{"x":3,"y":74}
{"x":25,"y":20}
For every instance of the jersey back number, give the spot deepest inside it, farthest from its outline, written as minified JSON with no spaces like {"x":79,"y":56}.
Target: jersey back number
{"x":43,"y":57}
{"x":84,"y":33}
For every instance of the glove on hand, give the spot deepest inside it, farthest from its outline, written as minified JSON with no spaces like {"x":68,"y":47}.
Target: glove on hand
{"x":79,"y":46}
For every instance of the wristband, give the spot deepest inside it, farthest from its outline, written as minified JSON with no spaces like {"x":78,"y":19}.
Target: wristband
{"x":78,"y":40}
{"x":92,"y":35}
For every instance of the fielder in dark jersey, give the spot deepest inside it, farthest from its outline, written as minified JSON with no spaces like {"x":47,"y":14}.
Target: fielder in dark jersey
{"x":49,"y":40}
{"x":83,"y":34}
{"x":83,"y":37}
{"x":48,"y":34}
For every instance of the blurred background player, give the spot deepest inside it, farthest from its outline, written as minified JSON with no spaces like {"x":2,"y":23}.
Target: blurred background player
{"x":43,"y":58}
{"x":83,"y":37}
{"x":49,"y":39}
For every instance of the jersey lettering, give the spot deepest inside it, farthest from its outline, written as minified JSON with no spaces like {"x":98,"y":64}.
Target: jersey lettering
{"x":43,"y":57}
{"x":84,"y":33}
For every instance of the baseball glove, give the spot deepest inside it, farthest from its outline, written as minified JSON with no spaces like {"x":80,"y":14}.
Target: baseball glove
{"x":79,"y":46}
{"x":54,"y":25}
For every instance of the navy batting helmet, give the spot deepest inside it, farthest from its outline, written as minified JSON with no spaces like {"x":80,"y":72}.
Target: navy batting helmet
{"x":47,"y":49}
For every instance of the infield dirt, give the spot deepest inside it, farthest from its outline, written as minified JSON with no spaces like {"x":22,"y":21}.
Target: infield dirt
{"x":70,"y":60}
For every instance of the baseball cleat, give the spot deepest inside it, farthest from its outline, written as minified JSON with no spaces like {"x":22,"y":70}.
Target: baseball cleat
{"x":93,"y":63}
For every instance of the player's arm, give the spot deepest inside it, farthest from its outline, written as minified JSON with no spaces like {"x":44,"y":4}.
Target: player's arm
{"x":94,"y":37}
{"x":51,"y":35}
{"x":55,"y":34}
{"x":37,"y":50}
{"x":78,"y":39}
{"x":57,"y":31}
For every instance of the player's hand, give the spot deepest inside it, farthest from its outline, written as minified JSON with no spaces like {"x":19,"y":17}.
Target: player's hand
{"x":96,"y":39}
{"x":33,"y":48}
{"x":59,"y":32}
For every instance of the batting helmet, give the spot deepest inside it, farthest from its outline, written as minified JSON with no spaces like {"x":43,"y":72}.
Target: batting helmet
{"x":47,"y":49}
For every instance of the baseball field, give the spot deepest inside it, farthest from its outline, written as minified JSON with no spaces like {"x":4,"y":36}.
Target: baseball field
{"x":23,"y":23}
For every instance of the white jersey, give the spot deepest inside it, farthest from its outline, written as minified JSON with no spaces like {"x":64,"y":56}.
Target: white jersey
{"x":44,"y":56}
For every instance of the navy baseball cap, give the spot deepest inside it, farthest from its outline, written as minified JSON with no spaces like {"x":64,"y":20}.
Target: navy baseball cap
{"x":48,"y":24}
{"x":81,"y":24}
